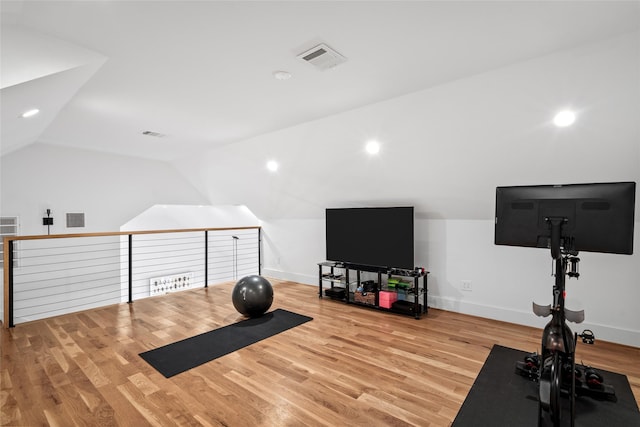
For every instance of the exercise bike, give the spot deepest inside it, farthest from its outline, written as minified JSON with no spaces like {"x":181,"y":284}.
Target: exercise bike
{"x":555,"y":368}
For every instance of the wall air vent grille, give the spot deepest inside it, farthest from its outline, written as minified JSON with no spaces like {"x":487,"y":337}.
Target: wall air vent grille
{"x":323,"y":57}
{"x":75,"y":220}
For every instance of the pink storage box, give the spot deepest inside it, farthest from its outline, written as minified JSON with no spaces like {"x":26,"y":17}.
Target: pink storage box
{"x":387,"y":298}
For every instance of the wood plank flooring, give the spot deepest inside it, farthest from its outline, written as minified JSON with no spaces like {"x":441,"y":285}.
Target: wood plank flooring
{"x":349,"y":366}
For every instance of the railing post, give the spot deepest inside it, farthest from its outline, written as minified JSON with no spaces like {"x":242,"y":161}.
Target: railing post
{"x":130,"y":269}
{"x":10,"y":283}
{"x":206,"y":258}
{"x":259,"y":252}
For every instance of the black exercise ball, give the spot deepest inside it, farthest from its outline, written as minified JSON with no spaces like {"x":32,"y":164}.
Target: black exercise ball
{"x":252,"y":296}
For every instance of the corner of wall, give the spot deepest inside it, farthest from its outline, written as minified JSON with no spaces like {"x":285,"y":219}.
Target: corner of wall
{"x":304,"y":279}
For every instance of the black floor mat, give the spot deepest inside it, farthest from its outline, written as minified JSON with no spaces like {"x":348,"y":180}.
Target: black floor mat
{"x":500,"y":397}
{"x":183,"y":355}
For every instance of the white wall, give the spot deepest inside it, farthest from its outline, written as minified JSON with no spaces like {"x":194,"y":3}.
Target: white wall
{"x":292,"y":249}
{"x":108,"y":189}
{"x":505,"y":280}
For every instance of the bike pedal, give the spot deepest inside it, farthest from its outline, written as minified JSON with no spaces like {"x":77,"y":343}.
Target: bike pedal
{"x":587,"y":336}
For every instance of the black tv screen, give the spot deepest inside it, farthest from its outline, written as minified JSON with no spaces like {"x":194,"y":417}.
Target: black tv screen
{"x":595,"y":217}
{"x":381,"y":237}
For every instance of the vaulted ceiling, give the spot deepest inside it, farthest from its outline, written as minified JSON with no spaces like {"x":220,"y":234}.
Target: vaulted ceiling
{"x":201,"y":73}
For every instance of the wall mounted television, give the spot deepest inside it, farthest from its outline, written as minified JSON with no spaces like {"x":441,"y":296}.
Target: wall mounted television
{"x":595,"y":217}
{"x":375,"y":236}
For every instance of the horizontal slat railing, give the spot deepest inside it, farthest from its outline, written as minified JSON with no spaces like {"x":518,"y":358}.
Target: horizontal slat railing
{"x":63,"y":273}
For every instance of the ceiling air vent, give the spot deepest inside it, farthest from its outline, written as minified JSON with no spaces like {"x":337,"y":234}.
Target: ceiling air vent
{"x":323,"y":57}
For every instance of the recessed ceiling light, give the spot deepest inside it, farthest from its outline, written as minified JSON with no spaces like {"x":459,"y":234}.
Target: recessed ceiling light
{"x":272,"y":165}
{"x":373,"y":147}
{"x":30,"y":113}
{"x":564,"y":118}
{"x":282,"y":75}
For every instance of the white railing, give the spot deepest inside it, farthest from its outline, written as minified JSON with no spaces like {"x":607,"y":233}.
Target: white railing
{"x":64,"y":273}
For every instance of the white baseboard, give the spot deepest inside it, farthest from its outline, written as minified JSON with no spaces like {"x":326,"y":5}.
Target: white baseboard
{"x":603,"y":332}
{"x":527,"y":318}
{"x":305,"y":279}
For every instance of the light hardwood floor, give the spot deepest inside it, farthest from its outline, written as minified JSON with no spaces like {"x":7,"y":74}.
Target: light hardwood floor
{"x":349,"y":366}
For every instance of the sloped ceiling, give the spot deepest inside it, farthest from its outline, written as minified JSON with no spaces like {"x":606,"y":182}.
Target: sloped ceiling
{"x":38,"y":71}
{"x":445,"y":149}
{"x":201,"y":74}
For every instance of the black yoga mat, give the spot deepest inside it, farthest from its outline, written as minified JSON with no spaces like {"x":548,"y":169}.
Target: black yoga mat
{"x":181,"y":356}
{"x":500,"y":397}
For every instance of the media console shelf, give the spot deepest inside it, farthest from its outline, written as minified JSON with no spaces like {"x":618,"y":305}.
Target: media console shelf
{"x":395,"y":293}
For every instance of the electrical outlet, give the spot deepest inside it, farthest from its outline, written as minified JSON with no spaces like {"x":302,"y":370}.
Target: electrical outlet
{"x":466,"y":285}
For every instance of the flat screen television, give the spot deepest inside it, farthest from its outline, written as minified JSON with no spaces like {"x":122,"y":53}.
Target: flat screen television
{"x":592,"y":217}
{"x":376,"y":237}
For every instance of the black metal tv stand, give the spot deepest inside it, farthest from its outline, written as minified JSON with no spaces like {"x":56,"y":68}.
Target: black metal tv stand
{"x":410,"y":296}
